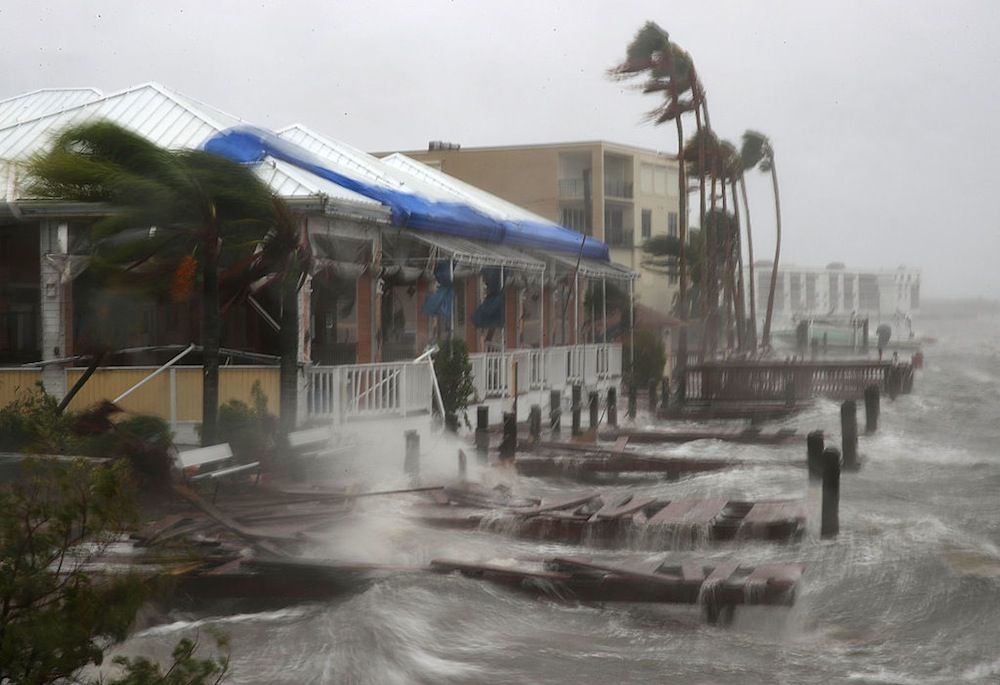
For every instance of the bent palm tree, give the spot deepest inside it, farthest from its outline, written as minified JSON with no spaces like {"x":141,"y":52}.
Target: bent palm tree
{"x":758,"y":152}
{"x":174,"y":214}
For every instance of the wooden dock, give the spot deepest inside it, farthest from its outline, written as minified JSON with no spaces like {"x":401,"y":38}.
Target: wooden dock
{"x":747,"y":436}
{"x":627,"y":520}
{"x":718,"y":588}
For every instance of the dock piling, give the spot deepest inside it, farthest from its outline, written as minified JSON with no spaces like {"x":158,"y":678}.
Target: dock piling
{"x":830,"y":521}
{"x":814,"y":450}
{"x":509,"y":443}
{"x":871,"y":409}
{"x":535,"y":422}
{"x":462,"y":464}
{"x":849,"y":434}
{"x":613,"y":407}
{"x":555,"y":411}
{"x":595,"y":408}
{"x":652,"y":397}
{"x":633,"y":400}
{"x":665,"y":393}
{"x":482,"y":432}
{"x":577,"y":399}
{"x":411,"y":460}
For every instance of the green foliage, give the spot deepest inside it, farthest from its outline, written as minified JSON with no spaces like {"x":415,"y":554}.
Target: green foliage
{"x":55,"y":617}
{"x":31,"y":424}
{"x":454,"y":376}
{"x":650,"y":359}
{"x":143,"y":441}
{"x":252,"y":432}
{"x":187,"y":669}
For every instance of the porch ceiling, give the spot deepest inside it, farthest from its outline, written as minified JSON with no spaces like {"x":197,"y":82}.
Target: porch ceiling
{"x":591,"y":268}
{"x":472,"y":253}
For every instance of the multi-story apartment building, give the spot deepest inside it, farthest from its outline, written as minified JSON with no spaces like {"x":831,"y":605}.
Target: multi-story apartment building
{"x":619,"y":194}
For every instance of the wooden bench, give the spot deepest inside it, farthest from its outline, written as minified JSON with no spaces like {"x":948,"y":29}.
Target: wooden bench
{"x":220,"y":455}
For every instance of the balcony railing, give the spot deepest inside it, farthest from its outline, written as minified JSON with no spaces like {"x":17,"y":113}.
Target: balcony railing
{"x":572,"y":188}
{"x":619,"y":237}
{"x":618,"y":187}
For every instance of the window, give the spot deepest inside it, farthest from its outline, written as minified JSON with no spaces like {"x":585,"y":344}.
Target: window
{"x":575,"y":218}
{"x":811,"y":292}
{"x":868,"y":293}
{"x":672,"y":229}
{"x":614,"y":228}
{"x":834,"y":291}
{"x":673,"y":181}
{"x":653,"y":180}
{"x":848,"y":292}
{"x":795,"y":290}
{"x":646,"y":179}
{"x":647,"y":223}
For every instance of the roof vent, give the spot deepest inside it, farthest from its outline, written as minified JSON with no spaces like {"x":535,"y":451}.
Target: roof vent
{"x":442,"y":145}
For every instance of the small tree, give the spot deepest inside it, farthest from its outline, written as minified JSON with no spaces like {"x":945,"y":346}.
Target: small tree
{"x":454,"y":376}
{"x":650,"y":359}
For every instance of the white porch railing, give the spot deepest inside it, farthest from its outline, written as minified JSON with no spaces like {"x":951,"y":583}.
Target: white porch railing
{"x":358,"y":391}
{"x":554,"y":367}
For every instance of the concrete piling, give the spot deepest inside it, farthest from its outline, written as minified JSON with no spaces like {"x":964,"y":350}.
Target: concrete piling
{"x":508,"y":445}
{"x":576,"y":399}
{"x":555,"y":411}
{"x":535,"y":422}
{"x":830,"y":517}
{"x":871,"y":408}
{"x":849,"y":434}
{"x":482,"y":432}
{"x":613,"y":407}
{"x":411,"y":460}
{"x":814,"y":451}
{"x":595,"y":409}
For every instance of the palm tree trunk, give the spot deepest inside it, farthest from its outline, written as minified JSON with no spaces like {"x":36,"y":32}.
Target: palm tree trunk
{"x":701,"y":194}
{"x":712,"y":290}
{"x":741,"y":327}
{"x":210,"y":334}
{"x":288,"y":383}
{"x":750,"y":274}
{"x":766,"y":335}
{"x":682,"y":342}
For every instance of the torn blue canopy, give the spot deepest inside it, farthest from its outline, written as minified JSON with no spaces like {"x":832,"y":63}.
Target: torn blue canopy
{"x":249,"y":144}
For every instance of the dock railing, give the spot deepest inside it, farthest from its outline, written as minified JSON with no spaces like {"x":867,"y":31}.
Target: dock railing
{"x":553,"y":367}
{"x":359,"y":391}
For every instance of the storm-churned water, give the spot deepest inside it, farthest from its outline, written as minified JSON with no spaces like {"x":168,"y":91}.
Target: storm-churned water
{"x":909,"y":592}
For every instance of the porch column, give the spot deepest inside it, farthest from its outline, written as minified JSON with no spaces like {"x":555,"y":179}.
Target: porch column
{"x":604,"y":309}
{"x":548,"y":305}
{"x":631,"y":325}
{"x":56,"y":305}
{"x":510,"y":322}
{"x":305,"y":350}
{"x":366,"y":323}
{"x":576,"y":309}
{"x":471,"y":302}
{"x":423,"y":321}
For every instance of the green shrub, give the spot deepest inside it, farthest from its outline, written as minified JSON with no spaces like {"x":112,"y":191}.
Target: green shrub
{"x":650,"y":359}
{"x":252,"y":432}
{"x":454,"y":376}
{"x":31,"y":424}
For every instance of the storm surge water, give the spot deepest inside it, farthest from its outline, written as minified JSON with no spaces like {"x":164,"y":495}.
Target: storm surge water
{"x":908,"y":593}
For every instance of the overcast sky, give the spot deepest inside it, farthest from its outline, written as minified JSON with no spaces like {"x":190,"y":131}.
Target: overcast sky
{"x":884,"y":116}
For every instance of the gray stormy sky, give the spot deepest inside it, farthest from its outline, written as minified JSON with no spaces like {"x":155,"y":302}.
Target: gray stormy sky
{"x":885,"y":116}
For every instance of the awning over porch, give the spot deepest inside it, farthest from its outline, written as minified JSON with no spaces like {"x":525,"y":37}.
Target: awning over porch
{"x":591,"y":268}
{"x":472,"y":253}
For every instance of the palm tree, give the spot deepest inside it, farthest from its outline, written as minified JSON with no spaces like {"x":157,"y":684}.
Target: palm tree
{"x":758,"y":152}
{"x":176,"y":213}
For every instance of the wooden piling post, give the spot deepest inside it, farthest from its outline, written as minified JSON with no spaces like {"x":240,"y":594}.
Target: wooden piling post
{"x":555,"y":411}
{"x":411,"y":460}
{"x":871,"y":408}
{"x":849,"y":434}
{"x":595,"y":408}
{"x":462,"y":464}
{"x":633,"y":400}
{"x":682,"y":387}
{"x":482,"y":432}
{"x":814,"y":451}
{"x":830,"y":517}
{"x":577,"y":399}
{"x":652,"y":397}
{"x":894,"y":381}
{"x":613,"y":407}
{"x":665,"y":393}
{"x":535,"y":422}
{"x":508,"y":446}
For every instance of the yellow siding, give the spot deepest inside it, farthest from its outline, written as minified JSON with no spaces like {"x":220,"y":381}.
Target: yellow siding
{"x":14,"y":382}
{"x":154,"y":396}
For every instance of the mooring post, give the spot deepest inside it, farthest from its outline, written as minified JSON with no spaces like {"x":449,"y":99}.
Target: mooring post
{"x":849,"y":434}
{"x":509,"y":443}
{"x":814,"y":451}
{"x":894,"y":381}
{"x":682,"y":387}
{"x":577,"y":399}
{"x":461,"y":464}
{"x":411,"y":462}
{"x":633,"y":400}
{"x":830,"y":518}
{"x":665,"y":393}
{"x":652,"y":397}
{"x":871,"y":408}
{"x":790,"y":389}
{"x":482,"y":432}
{"x":555,"y":411}
{"x":535,"y":422}
{"x":613,"y":407}
{"x":864,"y":335}
{"x":595,"y":408}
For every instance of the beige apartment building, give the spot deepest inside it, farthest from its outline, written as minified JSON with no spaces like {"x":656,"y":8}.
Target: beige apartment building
{"x":617,"y":193}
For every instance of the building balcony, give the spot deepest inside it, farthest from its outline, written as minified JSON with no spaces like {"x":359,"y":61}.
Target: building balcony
{"x":619,"y":237}
{"x":618,"y":188}
{"x":572,"y":188}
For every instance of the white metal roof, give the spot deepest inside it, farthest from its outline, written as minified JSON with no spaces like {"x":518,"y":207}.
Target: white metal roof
{"x":164,"y":117}
{"x":43,"y":101}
